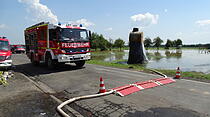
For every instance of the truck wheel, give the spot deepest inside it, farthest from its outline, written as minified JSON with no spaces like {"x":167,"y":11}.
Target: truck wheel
{"x":51,"y":64}
{"x":80,"y":63}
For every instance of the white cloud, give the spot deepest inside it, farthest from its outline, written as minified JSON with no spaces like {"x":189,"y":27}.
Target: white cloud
{"x":145,"y":19}
{"x":165,"y":10}
{"x":109,"y":29}
{"x":2,"y":26}
{"x":203,"y":22}
{"x":39,"y":11}
{"x":85,"y":22}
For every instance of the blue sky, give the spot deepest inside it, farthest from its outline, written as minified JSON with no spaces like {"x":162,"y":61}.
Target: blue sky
{"x":188,"y":20}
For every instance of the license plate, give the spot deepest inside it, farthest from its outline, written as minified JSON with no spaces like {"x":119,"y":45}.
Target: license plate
{"x":77,"y":56}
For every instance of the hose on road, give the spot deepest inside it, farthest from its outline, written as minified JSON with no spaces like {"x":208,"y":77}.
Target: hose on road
{"x":59,"y":108}
{"x":159,"y":73}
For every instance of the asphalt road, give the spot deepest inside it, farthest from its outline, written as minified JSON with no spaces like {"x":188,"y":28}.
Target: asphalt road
{"x":20,"y":98}
{"x":185,"y":98}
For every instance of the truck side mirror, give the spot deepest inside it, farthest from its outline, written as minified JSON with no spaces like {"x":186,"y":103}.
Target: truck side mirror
{"x":90,"y":34}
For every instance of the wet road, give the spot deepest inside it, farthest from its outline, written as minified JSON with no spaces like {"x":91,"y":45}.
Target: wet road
{"x":181,"y":99}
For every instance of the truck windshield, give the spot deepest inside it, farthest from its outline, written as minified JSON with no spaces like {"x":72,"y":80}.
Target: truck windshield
{"x":75,"y":35}
{"x":4,"y":45}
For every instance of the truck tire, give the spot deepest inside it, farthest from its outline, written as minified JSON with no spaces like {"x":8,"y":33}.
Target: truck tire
{"x":80,"y":63}
{"x":51,"y":64}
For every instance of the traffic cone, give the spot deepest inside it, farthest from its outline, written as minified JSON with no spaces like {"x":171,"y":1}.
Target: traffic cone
{"x":178,"y":74}
{"x":102,"y":86}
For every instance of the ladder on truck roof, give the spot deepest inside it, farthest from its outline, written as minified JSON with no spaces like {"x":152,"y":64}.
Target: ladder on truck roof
{"x":41,"y":23}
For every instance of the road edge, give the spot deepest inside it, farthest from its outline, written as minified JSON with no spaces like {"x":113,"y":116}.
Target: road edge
{"x":49,"y":91}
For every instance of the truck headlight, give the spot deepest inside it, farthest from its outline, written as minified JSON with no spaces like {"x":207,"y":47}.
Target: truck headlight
{"x":63,"y":58}
{"x":87,"y":56}
{"x":63,"y":51}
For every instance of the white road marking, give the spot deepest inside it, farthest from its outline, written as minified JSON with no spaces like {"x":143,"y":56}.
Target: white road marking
{"x":128,"y":72}
{"x":122,"y":70}
{"x":196,"y":81}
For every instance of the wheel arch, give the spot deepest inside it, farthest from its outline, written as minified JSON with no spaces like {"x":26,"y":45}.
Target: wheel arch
{"x":49,"y":52}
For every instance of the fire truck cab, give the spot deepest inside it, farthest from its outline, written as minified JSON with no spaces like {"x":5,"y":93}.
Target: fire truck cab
{"x":5,"y":53}
{"x":55,"y":44}
{"x":18,"y":48}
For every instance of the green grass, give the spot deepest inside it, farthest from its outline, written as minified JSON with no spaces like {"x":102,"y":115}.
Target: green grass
{"x":197,"y":75}
{"x":170,"y":73}
{"x":115,"y":64}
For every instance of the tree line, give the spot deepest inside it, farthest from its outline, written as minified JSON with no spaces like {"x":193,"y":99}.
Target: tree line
{"x":157,"y":42}
{"x":99,"y":42}
{"x":207,"y":46}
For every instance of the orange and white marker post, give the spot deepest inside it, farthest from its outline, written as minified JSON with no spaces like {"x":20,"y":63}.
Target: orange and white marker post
{"x":178,"y":73}
{"x":102,"y":86}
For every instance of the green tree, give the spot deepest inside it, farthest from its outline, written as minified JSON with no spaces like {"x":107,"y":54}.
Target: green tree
{"x":177,"y":43}
{"x":98,"y":41}
{"x":157,"y":42}
{"x":110,"y":44}
{"x":169,"y":44}
{"x":94,"y":41}
{"x":119,"y":43}
{"x":102,"y":43}
{"x":174,"y":43}
{"x":147,"y":42}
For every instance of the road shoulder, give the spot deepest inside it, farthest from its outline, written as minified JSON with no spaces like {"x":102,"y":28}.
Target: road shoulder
{"x":21,"y":98}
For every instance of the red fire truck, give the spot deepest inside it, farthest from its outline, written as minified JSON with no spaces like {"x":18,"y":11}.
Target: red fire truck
{"x":5,"y":53}
{"x":54,"y":44}
{"x":18,"y":48}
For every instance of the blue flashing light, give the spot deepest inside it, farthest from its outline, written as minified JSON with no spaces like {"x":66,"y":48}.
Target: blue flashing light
{"x":80,"y":25}
{"x":59,"y":24}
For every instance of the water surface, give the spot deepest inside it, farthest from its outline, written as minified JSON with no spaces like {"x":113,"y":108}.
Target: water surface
{"x":187,"y":60}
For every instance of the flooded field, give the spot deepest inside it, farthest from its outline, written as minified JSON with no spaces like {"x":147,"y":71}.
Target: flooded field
{"x":187,"y":60}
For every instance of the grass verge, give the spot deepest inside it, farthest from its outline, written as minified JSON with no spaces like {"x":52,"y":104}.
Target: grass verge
{"x":171,"y":73}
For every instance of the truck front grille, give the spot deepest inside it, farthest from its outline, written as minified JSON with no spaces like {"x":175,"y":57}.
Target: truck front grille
{"x":69,"y":50}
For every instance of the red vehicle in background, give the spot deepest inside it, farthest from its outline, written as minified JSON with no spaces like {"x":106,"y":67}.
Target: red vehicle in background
{"x":5,"y":53}
{"x":18,"y":48}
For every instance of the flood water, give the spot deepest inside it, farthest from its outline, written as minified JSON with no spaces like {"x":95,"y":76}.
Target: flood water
{"x":187,"y":60}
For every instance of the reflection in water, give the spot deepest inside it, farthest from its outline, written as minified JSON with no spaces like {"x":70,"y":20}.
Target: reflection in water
{"x":172,"y":54}
{"x":188,"y":60}
{"x":120,"y":55}
{"x":110,"y":56}
{"x":157,"y":56}
{"x":157,"y":53}
{"x":149,"y":56}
